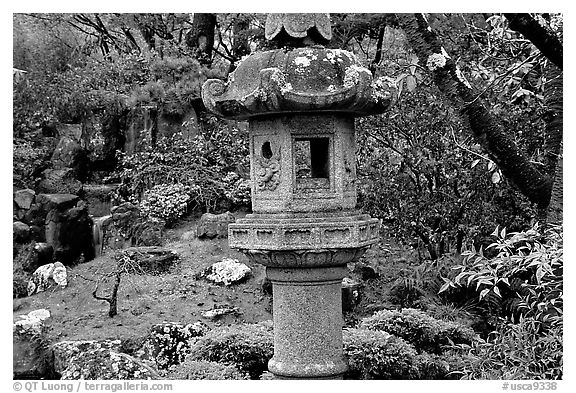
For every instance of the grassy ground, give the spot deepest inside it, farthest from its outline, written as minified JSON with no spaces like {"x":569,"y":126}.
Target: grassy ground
{"x":181,"y":295}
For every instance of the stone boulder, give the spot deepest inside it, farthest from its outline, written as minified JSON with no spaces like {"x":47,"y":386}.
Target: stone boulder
{"x":149,"y":260}
{"x":36,"y":215}
{"x":227,"y":272}
{"x":118,"y":232}
{"x":24,"y":198}
{"x":59,"y":181}
{"x":66,"y":351}
{"x":20,"y":232}
{"x":70,"y":233}
{"x":127,"y":227}
{"x":220,"y":311}
{"x":69,"y":154}
{"x":168,"y":344}
{"x":214,"y":225}
{"x":98,"y":360}
{"x":30,"y":354}
{"x":31,"y":323}
{"x":149,"y":232}
{"x":57,"y":201}
{"x":47,"y":276}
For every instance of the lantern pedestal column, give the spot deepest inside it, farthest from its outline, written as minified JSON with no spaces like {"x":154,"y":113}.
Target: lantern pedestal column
{"x":307,"y":322}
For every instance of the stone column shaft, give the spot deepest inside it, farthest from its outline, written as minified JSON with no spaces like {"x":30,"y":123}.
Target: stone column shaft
{"x":307,"y":322}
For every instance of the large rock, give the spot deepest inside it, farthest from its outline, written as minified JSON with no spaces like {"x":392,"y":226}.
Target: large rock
{"x":168,"y":344}
{"x":30,"y":354}
{"x":59,"y":181}
{"x":128,"y":227}
{"x":227,"y":272}
{"x":20,"y":232}
{"x":99,"y":198}
{"x":151,"y":260}
{"x":56,"y":201}
{"x":47,"y":276}
{"x":98,"y":360}
{"x":69,"y":154}
{"x":105,"y":364}
{"x":36,"y":215}
{"x":220,"y":311}
{"x":31,"y":323}
{"x":119,"y":230}
{"x":149,"y":232}
{"x":70,"y":233}
{"x":66,"y":351}
{"x":214,"y":225}
{"x":24,"y":198}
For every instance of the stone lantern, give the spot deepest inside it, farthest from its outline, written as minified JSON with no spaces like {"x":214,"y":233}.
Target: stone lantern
{"x":300,"y":102}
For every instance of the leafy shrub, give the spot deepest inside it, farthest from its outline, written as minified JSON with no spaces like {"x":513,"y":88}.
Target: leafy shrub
{"x":422,"y":281}
{"x":525,"y":278}
{"x":517,"y":351}
{"x":248,"y":347}
{"x":374,"y":354}
{"x":523,"y":282}
{"x":168,"y":202}
{"x":200,"y":369}
{"x":416,"y":327}
{"x":378,"y":355}
{"x":29,"y":159}
{"x":371,"y":354}
{"x":203,"y":164}
{"x":168,"y":344}
{"x":425,"y":180}
{"x":239,"y":191}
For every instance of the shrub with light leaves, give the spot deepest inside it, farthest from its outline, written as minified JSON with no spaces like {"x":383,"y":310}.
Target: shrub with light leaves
{"x":238,"y":189}
{"x":524,"y":278}
{"x":166,"y":201}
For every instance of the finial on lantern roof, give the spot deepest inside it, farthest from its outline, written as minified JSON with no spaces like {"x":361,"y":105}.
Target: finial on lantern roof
{"x":298,"y":30}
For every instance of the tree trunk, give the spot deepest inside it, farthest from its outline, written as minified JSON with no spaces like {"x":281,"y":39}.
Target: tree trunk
{"x":543,"y":38}
{"x":553,"y":101}
{"x":485,"y":128}
{"x":113,"y":310}
{"x":201,"y":36}
{"x":555,"y":208}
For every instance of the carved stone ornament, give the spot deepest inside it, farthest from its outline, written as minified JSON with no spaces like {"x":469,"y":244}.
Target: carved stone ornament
{"x":267,"y":173}
{"x":298,"y":25}
{"x":305,"y":258}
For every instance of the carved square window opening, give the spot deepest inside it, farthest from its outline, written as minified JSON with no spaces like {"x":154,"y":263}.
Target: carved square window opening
{"x":312,"y":162}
